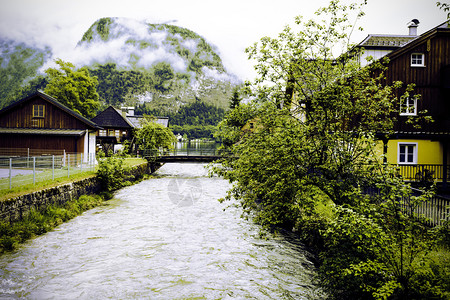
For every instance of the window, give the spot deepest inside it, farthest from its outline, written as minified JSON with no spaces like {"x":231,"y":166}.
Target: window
{"x":407,"y":153}
{"x":102,"y":132}
{"x":38,"y":111}
{"x":417,"y":60}
{"x":409,"y":107}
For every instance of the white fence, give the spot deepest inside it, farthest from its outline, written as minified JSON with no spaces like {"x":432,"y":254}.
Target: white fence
{"x":19,"y":171}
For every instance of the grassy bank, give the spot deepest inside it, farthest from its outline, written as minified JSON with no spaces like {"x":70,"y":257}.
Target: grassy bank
{"x":30,"y":188}
{"x":40,"y":222}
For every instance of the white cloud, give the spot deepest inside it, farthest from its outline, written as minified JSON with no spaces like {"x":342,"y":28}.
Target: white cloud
{"x":231,"y":25}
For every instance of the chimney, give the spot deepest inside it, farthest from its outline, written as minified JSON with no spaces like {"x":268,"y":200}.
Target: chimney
{"x":413,"y":27}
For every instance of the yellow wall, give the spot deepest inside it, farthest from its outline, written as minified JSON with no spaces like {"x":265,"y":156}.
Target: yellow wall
{"x":428,"y":152}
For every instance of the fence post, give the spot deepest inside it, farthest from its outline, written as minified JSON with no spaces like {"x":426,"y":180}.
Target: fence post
{"x":53,"y":167}
{"x":10,"y":173}
{"x":68,"y":165}
{"x":34,"y":170}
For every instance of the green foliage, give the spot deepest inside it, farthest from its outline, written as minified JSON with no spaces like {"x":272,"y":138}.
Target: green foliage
{"x":195,"y":131}
{"x":115,"y":86}
{"x":198,"y":113}
{"x":229,"y":130}
{"x":195,"y":120}
{"x":163,"y":74}
{"x":18,"y":66}
{"x":73,"y":88}
{"x":445,"y":7}
{"x":235,"y":98}
{"x":304,"y":164}
{"x":37,"y":223}
{"x":154,"y":136}
{"x":112,"y":173}
{"x":101,"y":27}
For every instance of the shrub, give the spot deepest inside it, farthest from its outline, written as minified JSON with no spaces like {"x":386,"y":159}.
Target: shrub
{"x":111,"y":173}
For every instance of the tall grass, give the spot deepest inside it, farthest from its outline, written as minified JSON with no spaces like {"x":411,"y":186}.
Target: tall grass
{"x":37,"y":223}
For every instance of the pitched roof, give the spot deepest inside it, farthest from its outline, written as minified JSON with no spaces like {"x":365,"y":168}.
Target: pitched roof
{"x":112,"y":117}
{"x":136,"y":120}
{"x":443,"y":27}
{"x":54,"y":102}
{"x":374,"y":41}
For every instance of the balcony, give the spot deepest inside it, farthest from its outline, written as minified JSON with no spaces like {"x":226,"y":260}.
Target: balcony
{"x":424,"y":173}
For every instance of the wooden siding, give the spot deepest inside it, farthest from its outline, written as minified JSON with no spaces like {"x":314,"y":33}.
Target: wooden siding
{"x":428,"y":80}
{"x":21,"y":116}
{"x":67,"y":143}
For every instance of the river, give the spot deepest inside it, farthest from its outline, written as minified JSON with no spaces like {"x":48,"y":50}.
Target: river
{"x":164,"y":238}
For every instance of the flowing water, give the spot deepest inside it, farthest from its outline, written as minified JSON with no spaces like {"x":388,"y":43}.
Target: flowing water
{"x":164,"y":238}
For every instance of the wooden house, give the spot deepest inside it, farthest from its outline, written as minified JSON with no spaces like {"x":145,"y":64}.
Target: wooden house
{"x":118,"y":126}
{"x":39,"y":122}
{"x":422,"y":152}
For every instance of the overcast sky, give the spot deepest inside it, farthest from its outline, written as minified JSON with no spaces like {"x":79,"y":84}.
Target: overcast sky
{"x":230,"y":25}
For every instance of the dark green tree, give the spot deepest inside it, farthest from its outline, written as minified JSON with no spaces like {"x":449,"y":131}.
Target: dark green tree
{"x":235,"y":98}
{"x":74,"y":88}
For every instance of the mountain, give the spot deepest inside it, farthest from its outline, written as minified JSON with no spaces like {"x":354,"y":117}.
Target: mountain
{"x":161,"y":66}
{"x":19,"y":65}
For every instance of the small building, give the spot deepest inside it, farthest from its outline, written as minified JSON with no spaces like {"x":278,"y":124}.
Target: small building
{"x":118,"y":126}
{"x":39,"y":122}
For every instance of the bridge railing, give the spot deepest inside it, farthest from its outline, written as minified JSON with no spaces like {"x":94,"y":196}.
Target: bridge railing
{"x":182,"y":152}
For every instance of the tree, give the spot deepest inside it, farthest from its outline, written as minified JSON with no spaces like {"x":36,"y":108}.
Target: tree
{"x":445,"y":7}
{"x":162,"y":76}
{"x":319,"y":117}
{"x":74,"y":88}
{"x":153,"y":136}
{"x":235,"y":99}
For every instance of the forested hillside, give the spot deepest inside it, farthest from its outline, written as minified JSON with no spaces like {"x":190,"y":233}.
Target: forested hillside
{"x":19,"y":66}
{"x":195,"y":120}
{"x":162,"y":66}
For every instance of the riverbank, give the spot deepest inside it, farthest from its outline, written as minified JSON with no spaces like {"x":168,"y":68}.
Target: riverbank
{"x":35,"y":213}
{"x":164,"y":238}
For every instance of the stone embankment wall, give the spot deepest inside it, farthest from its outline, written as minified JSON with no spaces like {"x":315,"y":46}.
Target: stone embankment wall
{"x":15,"y":208}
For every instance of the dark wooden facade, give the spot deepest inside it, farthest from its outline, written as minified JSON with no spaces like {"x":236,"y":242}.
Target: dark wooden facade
{"x":432,"y":81}
{"x":116,"y":128}
{"x":53,"y":127}
{"x":427,"y":144}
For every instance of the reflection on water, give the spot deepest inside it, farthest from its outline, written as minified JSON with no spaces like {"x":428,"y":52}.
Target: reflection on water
{"x":164,"y":238}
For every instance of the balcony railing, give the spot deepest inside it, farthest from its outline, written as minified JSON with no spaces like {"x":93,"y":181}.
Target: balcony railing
{"x":424,"y":173}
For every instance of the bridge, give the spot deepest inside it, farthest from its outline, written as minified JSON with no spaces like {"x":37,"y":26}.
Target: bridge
{"x":189,"y":155}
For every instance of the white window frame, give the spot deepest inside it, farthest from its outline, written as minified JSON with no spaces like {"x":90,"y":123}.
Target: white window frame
{"x":416,"y":62}
{"x":409,"y":107}
{"x":408,"y":151}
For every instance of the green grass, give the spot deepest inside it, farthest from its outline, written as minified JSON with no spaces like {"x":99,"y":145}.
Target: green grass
{"x":37,"y":223}
{"x":44,"y":180}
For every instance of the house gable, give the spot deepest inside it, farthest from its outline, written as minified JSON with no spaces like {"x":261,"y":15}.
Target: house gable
{"x":42,"y":111}
{"x":112,"y":118}
{"x":433,"y":50}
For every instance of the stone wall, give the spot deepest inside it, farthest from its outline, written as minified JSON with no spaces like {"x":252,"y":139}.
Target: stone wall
{"x":15,"y":208}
